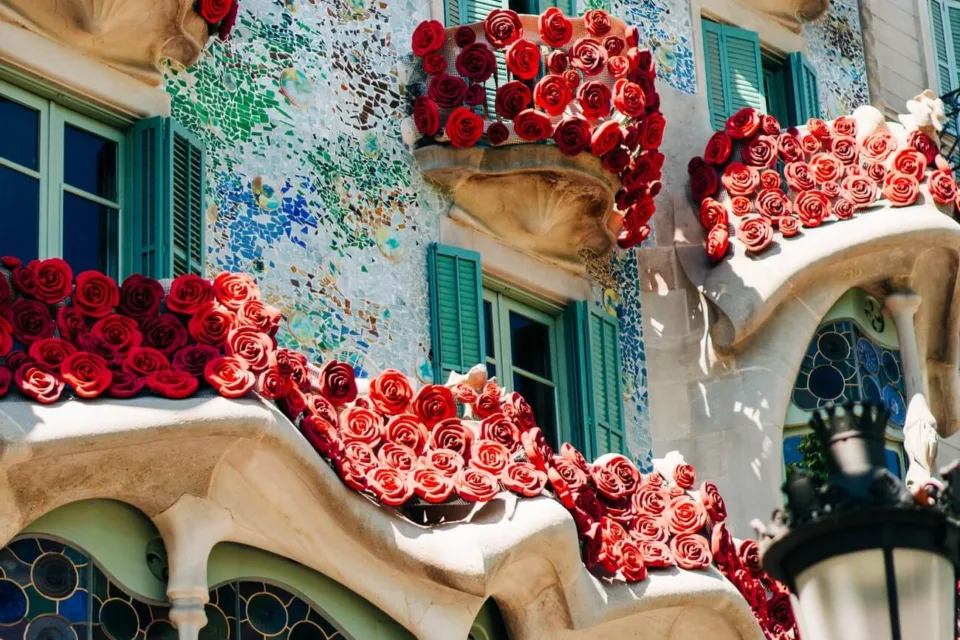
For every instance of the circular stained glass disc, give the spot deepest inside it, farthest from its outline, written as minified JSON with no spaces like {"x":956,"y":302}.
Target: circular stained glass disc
{"x":868,"y":355}
{"x":306,"y":630}
{"x":871,"y":391}
{"x":162,"y":630}
{"x":891,"y":367}
{"x":217,"y":627}
{"x":13,"y":603}
{"x":833,"y":346}
{"x":49,"y":628}
{"x":826,"y":383}
{"x":893,"y":401}
{"x":119,"y":619}
{"x":55,"y":576}
{"x":266,"y":614}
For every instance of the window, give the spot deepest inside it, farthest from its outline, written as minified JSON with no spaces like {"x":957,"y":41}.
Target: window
{"x":64,"y":177}
{"x":945,"y":27}
{"x":739,"y":74}
{"x":564,"y":360}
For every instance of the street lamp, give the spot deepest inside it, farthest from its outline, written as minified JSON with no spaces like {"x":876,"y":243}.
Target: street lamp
{"x":864,"y":558}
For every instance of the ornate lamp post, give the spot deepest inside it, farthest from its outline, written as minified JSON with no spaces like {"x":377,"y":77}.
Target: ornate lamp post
{"x":865,"y":558}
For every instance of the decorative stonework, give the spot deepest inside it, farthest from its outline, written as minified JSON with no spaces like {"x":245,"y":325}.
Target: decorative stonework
{"x":135,"y":36}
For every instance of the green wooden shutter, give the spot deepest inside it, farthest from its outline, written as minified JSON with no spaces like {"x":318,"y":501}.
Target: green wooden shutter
{"x":451,"y":13}
{"x":953,"y":41}
{"x":946,"y":70}
{"x":734,"y":72}
{"x":456,"y":310}
{"x":146,"y":236}
{"x":569,"y":7}
{"x":804,"y":89}
{"x":186,"y":194}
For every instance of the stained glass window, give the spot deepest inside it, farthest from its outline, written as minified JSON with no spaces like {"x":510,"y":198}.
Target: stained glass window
{"x":254,"y":610}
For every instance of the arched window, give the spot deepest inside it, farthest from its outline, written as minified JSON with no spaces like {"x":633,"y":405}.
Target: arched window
{"x":260,"y":610}
{"x":854,"y":356}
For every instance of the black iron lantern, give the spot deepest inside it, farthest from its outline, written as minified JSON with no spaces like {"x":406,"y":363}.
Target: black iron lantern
{"x":864,"y":558}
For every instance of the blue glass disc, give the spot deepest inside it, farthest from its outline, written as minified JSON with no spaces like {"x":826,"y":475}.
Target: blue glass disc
{"x":893,"y":401}
{"x":13,"y":602}
{"x":868,"y":355}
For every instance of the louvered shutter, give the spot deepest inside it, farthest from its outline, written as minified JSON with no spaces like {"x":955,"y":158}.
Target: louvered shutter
{"x":946,"y":70}
{"x":569,"y":7}
{"x":146,"y":231}
{"x":804,"y":89}
{"x":715,"y":75}
{"x":451,"y":13}
{"x":953,"y":41}
{"x":456,"y":310}
{"x":734,"y":73}
{"x":186,"y":200}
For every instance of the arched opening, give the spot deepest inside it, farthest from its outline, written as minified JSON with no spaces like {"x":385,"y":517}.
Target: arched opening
{"x":489,"y":624}
{"x":853,"y":356}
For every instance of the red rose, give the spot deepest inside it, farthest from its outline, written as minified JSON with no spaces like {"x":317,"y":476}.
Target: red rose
{"x":213,"y":11}
{"x":87,"y":373}
{"x":741,"y":206}
{"x":318,"y":405}
{"x":48,"y":353}
{"x":389,"y":486}
{"x":38,"y":383}
{"x":704,"y":183}
{"x":337,"y":382}
{"x":502,"y":27}
{"x":31,"y":321}
{"x":293,"y":365}
{"x":95,"y":344}
{"x":512,"y":98}
{"x":856,"y":170}
{"x":614,"y":45}
{"x":555,"y":29}
{"x":652,"y":131}
{"x":125,"y":385}
{"x":789,"y":148}
{"x":232,"y":290}
{"x":647,"y":527}
{"x":861,"y":190}
{"x":756,"y":233}
{"x":476,"y":95}
{"x":476,"y":62}
{"x":691,"y":551}
{"x":398,"y":457}
{"x":844,"y":126}
{"x":572,"y":135}
{"x":497,"y":133}
{"x":616,"y":160}
{"x":429,"y":36}
{"x":464,"y":35}
{"x":15,"y":359}
{"x":449,"y":463}
{"x":523,"y":479}
{"x":606,"y":138}
{"x":749,"y":553}
{"x":255,"y":349}
{"x":434,"y":63}
{"x":321,"y":435}
{"x":740,"y":180}
{"x":649,"y":501}
{"x":488,"y":455}
{"x":254,"y":313}
{"x":53,"y":278}
{"x":426,"y":116}
{"x":446,"y":90}
{"x":10,"y":262}
{"x":921,"y":142}
{"x":718,"y":240}
{"x":773,"y":203}
{"x":120,"y":331}
{"x":164,"y":332}
{"x":769,"y":125}
{"x":639,"y":213}
{"x":142,"y":361}
{"x":140,"y":297}
{"x":831,"y":189}
{"x":760,"y":151}
{"x":293,"y":402}
{"x":877,"y":146}
{"x":188,"y":293}
{"x":270,"y":384}
{"x":655,"y":554}
{"x":476,"y":485}
{"x":789,"y":226}
{"x":24,"y":280}
{"x":799,"y":176}
{"x":405,"y":429}
{"x":6,"y":291}
{"x":552,"y":94}
{"x":607,"y":482}
{"x":943,"y":188}
{"x":431,"y":485}
{"x":498,"y":428}
{"x":810,"y":144}
{"x":628,"y":98}
{"x":780,"y":612}
{"x":624,"y":469}
{"x":453,"y":435}
{"x":632,"y":36}
{"x":594,"y":98}
{"x":619,"y":67}
{"x":572,"y":76}
{"x":826,"y":168}
{"x":211,"y":324}
{"x":532,"y":125}
{"x":523,"y":59}
{"x":597,"y":22}
{"x":713,"y":502}
{"x":96,"y":294}
{"x":229,"y":376}
{"x":812,"y":207}
{"x":571,"y":474}
{"x":391,"y":392}
{"x":818,"y":128}
{"x":743,"y":124}
{"x":910,"y":162}
{"x":589,"y":56}
{"x":517,"y":409}
{"x":194,"y":358}
{"x":434,"y":403}
{"x":723,"y":549}
{"x":685,"y":475}
{"x":6,"y":337}
{"x":718,"y":148}
{"x":845,"y":149}
{"x":844,"y":208}
{"x":226,"y":27}
{"x":900,"y":189}
{"x":876,"y":172}
{"x":557,"y":61}
{"x":353,"y":474}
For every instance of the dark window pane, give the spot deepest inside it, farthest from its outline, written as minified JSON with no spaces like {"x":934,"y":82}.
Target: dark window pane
{"x":19,"y":134}
{"x":90,"y":162}
{"x":90,"y":235}
{"x":893,"y":462}
{"x":491,"y":370}
{"x":488,"y":329}
{"x":542,"y":399}
{"x":530,"y":342}
{"x":19,"y":215}
{"x":826,"y":383}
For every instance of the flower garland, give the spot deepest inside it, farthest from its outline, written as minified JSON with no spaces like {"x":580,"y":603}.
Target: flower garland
{"x":220,"y":15}
{"x":401,"y":447}
{"x":782,"y":181}
{"x":597,"y":95}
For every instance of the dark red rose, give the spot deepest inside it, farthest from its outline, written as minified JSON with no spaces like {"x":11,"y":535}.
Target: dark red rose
{"x":704,"y":183}
{"x":6,"y":292}
{"x":618,"y":67}
{"x":31,"y":321}
{"x":293,"y":365}
{"x":756,"y":233}
{"x":943,"y":187}
{"x":523,"y":59}
{"x":253,"y":348}
{"x":760,"y":151}
{"x":119,"y":331}
{"x":557,"y":61}
{"x":476,"y":62}
{"x":844,"y":126}
{"x":900,"y":189}
{"x":429,"y":36}
{"x":211,"y":324}
{"x":254,"y":313}
{"x":232,"y":290}
{"x":691,"y":551}
{"x":226,"y":27}
{"x":96,"y":344}
{"x":10,"y":262}
{"x":464,"y":128}
{"x":465,"y":35}
{"x":193,"y":358}
{"x":789,"y":148}
{"x":517,"y":409}
{"x":434,"y":63}
{"x":87,"y":373}
{"x":53,"y":278}
{"x":718,"y":148}
{"x":614,"y":45}
{"x":532,"y":125}
{"x":597,"y":22}
{"x":125,"y":384}
{"x":799,"y":176}
{"x":744,"y":123}
{"x":594,"y":98}
{"x":628,"y":98}
{"x":229,"y":376}
{"x":812,"y":207}
{"x":476,"y":95}
{"x":589,"y":56}
{"x":497,"y":133}
{"x":877,"y":146}
{"x":142,"y":361}
{"x":165,"y":333}
{"x":426,"y":116}
{"x":391,"y":392}
{"x":188,"y":294}
{"x":554,"y":27}
{"x":140,"y":297}
{"x":740,"y":180}
{"x":213,"y":11}
{"x":24,"y":280}
{"x":651,"y":131}
{"x":608,"y":483}
{"x":713,"y":502}
{"x":6,"y":337}
{"x":16,"y":359}
{"x":713,"y":213}
{"x":512,"y":98}
{"x":606,"y":138}
{"x":337,"y":382}
{"x":572,"y":135}
{"x":552,"y":94}
{"x":572,"y":76}
{"x":172,"y":383}
{"x":921,"y":142}
{"x":616,"y":160}
{"x":502,"y":27}
{"x":632,"y":36}
{"x":322,"y":435}
{"x":446,"y":90}
{"x":270,"y":383}
{"x":38,"y":383}
{"x":718,"y":241}
{"x":49,"y":352}
{"x":96,"y":295}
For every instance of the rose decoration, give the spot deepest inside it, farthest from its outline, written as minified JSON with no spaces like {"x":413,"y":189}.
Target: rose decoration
{"x":497,"y":133}
{"x":502,"y":27}
{"x":557,"y":62}
{"x":232,"y":290}
{"x":48,"y":352}
{"x":31,"y":321}
{"x":428,"y":37}
{"x":127,"y":385}
{"x":96,"y":295}
{"x":876,"y":172}
{"x":426,"y":116}
{"x":23,"y":280}
{"x":188,"y":294}
{"x":554,"y":27}
{"x":552,"y":94}
{"x":211,"y":324}
{"x":755,"y":232}
{"x":921,"y":142}
{"x":389,"y":486}
{"x":597,"y":22}
{"x":250,"y":346}
{"x":718,"y":241}
{"x":95,"y":344}
{"x":628,"y":98}
{"x":650,"y":528}
{"x":322,"y":435}
{"x":685,"y":475}
{"x":760,"y":151}
{"x":87,"y":373}
{"x":740,"y":180}
{"x":718,"y":148}
{"x":164,"y":333}
{"x":606,"y":138}
{"x":270,"y":384}
{"x":619,"y":67}
{"x":337,"y":382}
{"x":799,"y":176}
{"x":464,"y":128}
{"x":810,"y":144}
{"x":451,"y":434}
{"x":476,"y":485}
{"x":434,"y":63}
{"x":616,"y":160}
{"x":943,"y":187}
{"x":769,"y":125}
{"x":446,"y":90}
{"x":773,"y":203}
{"x":476,"y":62}
{"x":572,"y":135}
{"x":391,"y":393}
{"x":789,"y":148}
{"x":631,"y":559}
{"x":38,"y":383}
{"x":431,"y":485}
{"x":229,"y":376}
{"x":812,"y":207}
{"x":900,"y":189}
{"x":712,"y":214}
{"x":652,"y":130}
{"x":845,"y":149}
{"x":6,"y":337}
{"x":789,"y":226}
{"x":571,"y":474}
{"x":532,"y":125}
{"x":690,"y":551}
{"x":743,"y":124}
{"x":119,"y":331}
{"x":704,"y":183}
{"x":844,"y":126}
{"x":713,"y":502}
{"x":572,"y":76}
{"x":650,"y":501}
{"x":844,"y":208}
{"x":476,"y":95}
{"x":523,"y":479}
{"x":910,"y":162}
{"x":607,"y":482}
{"x":449,"y":463}
{"x":826,"y":168}
{"x":589,"y":56}
{"x":53,"y":280}
{"x":464,"y":35}
{"x":512,"y":98}
{"x":397,"y":456}
{"x":254,"y":313}
{"x":878,"y":146}
{"x":860,"y":190}
{"x":594,"y":98}
{"x":523,"y":59}
{"x":194,"y":358}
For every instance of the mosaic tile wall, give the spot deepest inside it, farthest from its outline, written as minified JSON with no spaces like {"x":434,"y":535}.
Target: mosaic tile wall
{"x":312,"y":191}
{"x":835,"y":46}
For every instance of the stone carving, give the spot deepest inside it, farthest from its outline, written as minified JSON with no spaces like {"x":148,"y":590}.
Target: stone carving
{"x":920,"y":443}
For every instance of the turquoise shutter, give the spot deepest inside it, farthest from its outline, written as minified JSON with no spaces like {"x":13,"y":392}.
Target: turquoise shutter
{"x":186,"y":171}
{"x":593,"y":342}
{"x":456,"y":310}
{"x":953,"y":38}
{"x":451,"y":13}
{"x":569,"y":7}
{"x":734,"y":72}
{"x":715,"y":76}
{"x":146,"y":235}
{"x":946,"y":70}
{"x":804,"y":89}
